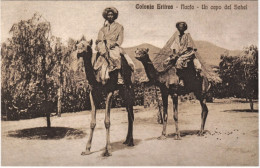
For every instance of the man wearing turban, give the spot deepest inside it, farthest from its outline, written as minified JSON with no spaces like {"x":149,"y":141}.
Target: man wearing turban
{"x":183,"y":49}
{"x":110,"y":38}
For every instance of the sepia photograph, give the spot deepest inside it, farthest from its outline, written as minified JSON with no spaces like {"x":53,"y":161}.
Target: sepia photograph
{"x":129,"y":83}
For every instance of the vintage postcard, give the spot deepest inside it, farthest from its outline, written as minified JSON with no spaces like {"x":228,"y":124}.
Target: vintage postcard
{"x":129,"y":83}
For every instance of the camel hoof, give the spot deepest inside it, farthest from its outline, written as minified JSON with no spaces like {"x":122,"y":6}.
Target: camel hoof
{"x":126,"y":142}
{"x":131,"y":143}
{"x":201,"y":133}
{"x":162,"y":137}
{"x":87,"y":152}
{"x":177,"y":137}
{"x":106,"y":153}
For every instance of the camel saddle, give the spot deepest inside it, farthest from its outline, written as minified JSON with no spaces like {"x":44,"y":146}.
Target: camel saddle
{"x":102,"y":64}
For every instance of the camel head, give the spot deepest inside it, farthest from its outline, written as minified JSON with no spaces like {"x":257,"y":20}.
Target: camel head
{"x":142,"y":55}
{"x":83,"y":46}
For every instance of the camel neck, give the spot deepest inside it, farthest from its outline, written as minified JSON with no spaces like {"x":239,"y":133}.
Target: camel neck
{"x":89,"y":70}
{"x":150,"y":70}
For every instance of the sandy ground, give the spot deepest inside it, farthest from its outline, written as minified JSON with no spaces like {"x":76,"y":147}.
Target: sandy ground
{"x":233,"y":139}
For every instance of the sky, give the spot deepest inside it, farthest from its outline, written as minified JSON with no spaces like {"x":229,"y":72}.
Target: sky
{"x":230,"y":29}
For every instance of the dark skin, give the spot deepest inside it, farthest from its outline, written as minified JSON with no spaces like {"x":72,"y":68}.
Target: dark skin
{"x":111,"y":19}
{"x":181,"y":28}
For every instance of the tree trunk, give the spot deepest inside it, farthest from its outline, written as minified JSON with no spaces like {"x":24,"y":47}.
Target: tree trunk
{"x":59,"y":101}
{"x":48,"y":119}
{"x":6,"y":112}
{"x":45,"y":92}
{"x":251,"y":104}
{"x":60,"y":88}
{"x":47,"y":108}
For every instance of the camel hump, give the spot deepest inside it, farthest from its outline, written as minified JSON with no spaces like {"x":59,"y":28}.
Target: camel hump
{"x":169,"y":77}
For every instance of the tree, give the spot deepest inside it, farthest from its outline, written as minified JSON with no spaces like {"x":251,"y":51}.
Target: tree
{"x":228,"y":74}
{"x":249,"y":65}
{"x":32,"y":62}
{"x":239,"y":74}
{"x":62,"y":68}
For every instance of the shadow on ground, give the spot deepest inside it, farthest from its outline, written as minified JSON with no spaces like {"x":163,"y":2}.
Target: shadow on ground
{"x":153,"y":120}
{"x":44,"y":133}
{"x":183,"y":134}
{"x":241,"y":110}
{"x":116,"y":146}
{"x":187,"y":132}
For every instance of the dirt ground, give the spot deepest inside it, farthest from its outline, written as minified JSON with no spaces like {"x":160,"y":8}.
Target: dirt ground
{"x":233,"y":140}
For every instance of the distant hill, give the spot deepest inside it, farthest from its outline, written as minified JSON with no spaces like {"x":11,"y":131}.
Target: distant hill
{"x":209,"y":53}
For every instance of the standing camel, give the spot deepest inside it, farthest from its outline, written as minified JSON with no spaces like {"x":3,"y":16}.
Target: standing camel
{"x":161,"y":79}
{"x":96,"y":88}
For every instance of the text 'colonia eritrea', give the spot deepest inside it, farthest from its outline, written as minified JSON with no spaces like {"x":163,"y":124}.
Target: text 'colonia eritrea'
{"x":190,"y":7}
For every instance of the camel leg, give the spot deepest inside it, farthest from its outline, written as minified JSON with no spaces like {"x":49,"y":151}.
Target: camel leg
{"x":175,"y":116}
{"x":204,"y":115}
{"x":165,"y":113}
{"x":107,"y":124}
{"x":129,"y":107}
{"x":129,"y":138}
{"x":92,"y":125}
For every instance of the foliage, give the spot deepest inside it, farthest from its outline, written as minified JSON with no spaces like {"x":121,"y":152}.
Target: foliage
{"x":239,"y":74}
{"x":28,"y":62}
{"x":35,"y":64}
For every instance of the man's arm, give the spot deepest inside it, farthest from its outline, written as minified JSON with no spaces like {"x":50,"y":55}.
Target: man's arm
{"x":191,"y":44}
{"x":120,"y":37}
{"x":100,"y":36}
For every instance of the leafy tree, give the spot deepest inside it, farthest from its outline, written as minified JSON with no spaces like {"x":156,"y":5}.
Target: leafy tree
{"x":228,"y":74}
{"x":31,"y":61}
{"x":239,"y":74}
{"x":249,"y":66}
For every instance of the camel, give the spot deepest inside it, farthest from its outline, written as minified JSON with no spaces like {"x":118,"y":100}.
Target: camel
{"x":96,"y":88}
{"x":161,"y":79}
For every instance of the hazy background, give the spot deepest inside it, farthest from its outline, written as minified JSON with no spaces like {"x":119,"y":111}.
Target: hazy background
{"x":230,"y":29}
